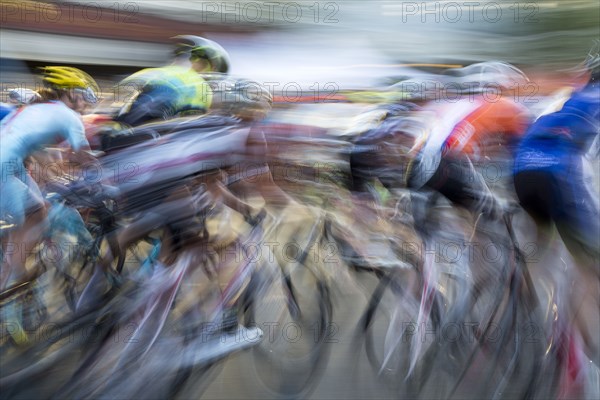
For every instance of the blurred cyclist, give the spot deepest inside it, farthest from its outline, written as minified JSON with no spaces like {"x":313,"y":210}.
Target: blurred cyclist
{"x":549,"y":168}
{"x":167,"y":91}
{"x":456,"y":140}
{"x":551,"y":185}
{"x":31,"y":128}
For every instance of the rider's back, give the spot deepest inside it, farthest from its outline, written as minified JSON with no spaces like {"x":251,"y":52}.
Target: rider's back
{"x":37,"y":125}
{"x":555,"y":137}
{"x":165,"y":92}
{"x":502,"y":116}
{"x":465,"y":124}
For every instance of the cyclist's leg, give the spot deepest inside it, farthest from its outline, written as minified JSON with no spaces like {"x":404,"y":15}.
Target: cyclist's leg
{"x":22,"y":205}
{"x":459,"y":182}
{"x":223,"y":195}
{"x":262,"y":182}
{"x":181,"y":211}
{"x":577,"y":216}
{"x":556,"y":196}
{"x":561,"y":197}
{"x":536,"y":193}
{"x":584,"y":303}
{"x":578,"y":221}
{"x":136,"y":230}
{"x":362,"y":168}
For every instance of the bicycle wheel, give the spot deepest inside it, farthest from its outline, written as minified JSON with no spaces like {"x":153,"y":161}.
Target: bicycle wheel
{"x":397,"y":334}
{"x":189,"y":323}
{"x":379,"y":322}
{"x":46,"y":362}
{"x":295,"y":314}
{"x":192,"y":380}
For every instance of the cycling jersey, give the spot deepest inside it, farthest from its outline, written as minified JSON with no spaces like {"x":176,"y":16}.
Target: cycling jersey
{"x":549,"y":172}
{"x":21,"y":134}
{"x":503,"y":116}
{"x":459,"y":128}
{"x":554,"y":139}
{"x":165,"y":92}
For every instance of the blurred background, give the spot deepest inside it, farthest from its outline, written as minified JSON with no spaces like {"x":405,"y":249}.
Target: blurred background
{"x":352,"y":44}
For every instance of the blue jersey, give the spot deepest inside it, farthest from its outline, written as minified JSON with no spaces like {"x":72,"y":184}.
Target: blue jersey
{"x":22,"y":133}
{"x":5,"y":109}
{"x":554,"y":139}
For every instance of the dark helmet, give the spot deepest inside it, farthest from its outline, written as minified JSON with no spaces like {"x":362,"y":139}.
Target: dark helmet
{"x":199,"y":47}
{"x":242,"y":98}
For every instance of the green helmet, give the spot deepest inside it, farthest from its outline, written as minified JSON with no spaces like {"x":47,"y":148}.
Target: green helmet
{"x":199,"y":47}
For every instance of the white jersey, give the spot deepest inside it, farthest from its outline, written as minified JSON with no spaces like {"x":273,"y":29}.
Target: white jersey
{"x":442,"y":121}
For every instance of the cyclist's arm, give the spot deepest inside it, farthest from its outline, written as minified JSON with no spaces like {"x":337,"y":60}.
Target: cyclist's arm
{"x":76,"y":138}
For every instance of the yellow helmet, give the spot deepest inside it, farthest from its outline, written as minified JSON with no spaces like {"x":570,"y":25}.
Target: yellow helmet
{"x":72,"y":78}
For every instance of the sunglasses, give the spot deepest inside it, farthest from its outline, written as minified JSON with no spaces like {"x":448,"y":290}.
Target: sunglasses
{"x":88,"y":94}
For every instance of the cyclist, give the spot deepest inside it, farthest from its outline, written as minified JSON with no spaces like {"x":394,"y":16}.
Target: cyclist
{"x":250,"y":102}
{"x":549,"y":168}
{"x":178,"y":88}
{"x":550,"y":182}
{"x":183,"y":199}
{"x":444,"y":156}
{"x":53,"y":119}
{"x":247,"y":103}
